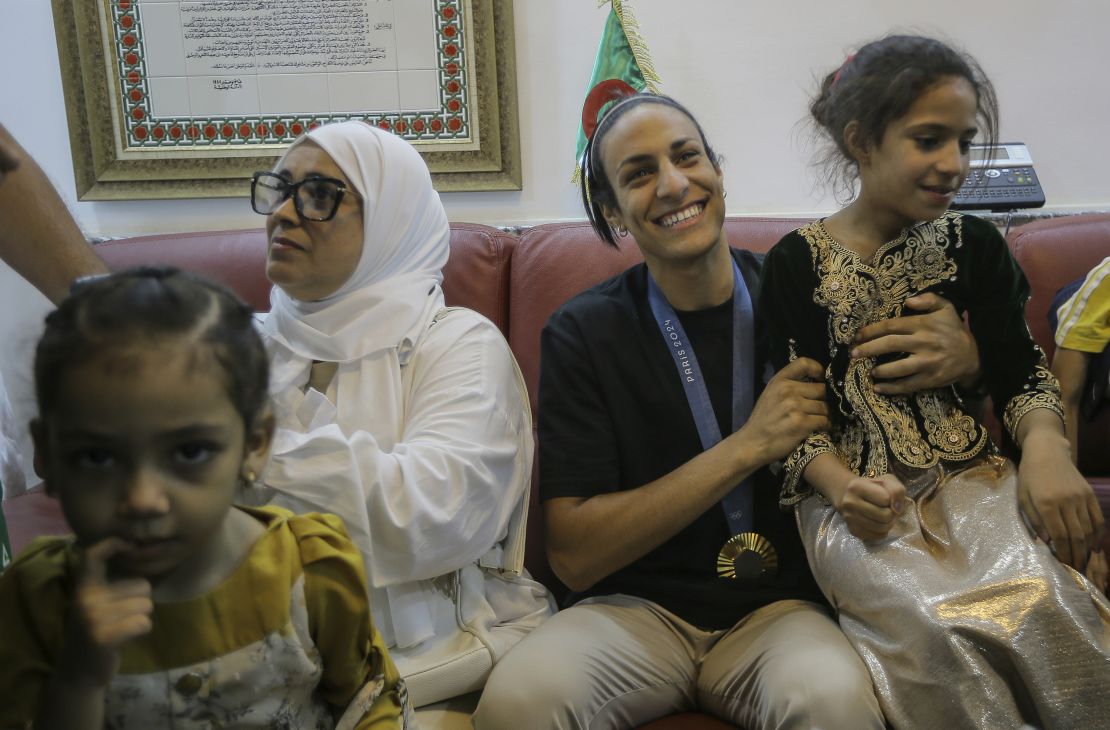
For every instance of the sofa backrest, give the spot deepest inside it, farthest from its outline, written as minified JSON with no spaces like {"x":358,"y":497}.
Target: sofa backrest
{"x":519,"y":282}
{"x":236,"y":259}
{"x":1053,"y":253}
{"x":476,"y":275}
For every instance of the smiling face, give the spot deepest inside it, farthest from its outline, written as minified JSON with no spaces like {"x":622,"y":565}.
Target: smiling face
{"x":310,"y":260}
{"x":913,"y":174}
{"x":146,"y":445}
{"x":668,"y":193}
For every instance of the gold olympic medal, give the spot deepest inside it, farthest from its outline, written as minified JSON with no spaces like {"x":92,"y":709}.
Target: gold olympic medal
{"x":747,"y":556}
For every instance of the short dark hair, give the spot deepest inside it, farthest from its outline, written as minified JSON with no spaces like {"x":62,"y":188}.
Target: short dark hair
{"x":147,"y":304}
{"x":597,"y":190}
{"x":878,"y":85}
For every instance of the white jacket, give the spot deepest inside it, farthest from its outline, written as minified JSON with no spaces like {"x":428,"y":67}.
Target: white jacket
{"x":436,"y":499}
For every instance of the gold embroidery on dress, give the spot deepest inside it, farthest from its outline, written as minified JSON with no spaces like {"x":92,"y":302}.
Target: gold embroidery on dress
{"x":857,"y":381}
{"x":795,"y":464}
{"x":851,"y":446}
{"x":917,"y":431}
{"x":1042,"y":391}
{"x":954,"y":432}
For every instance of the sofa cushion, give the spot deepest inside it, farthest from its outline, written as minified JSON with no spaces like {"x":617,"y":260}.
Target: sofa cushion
{"x":760,"y":234}
{"x":33,"y":514}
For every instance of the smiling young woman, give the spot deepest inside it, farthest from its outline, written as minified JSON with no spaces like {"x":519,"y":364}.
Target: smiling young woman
{"x":658,"y":629}
{"x":668,"y":191}
{"x":665,"y":187}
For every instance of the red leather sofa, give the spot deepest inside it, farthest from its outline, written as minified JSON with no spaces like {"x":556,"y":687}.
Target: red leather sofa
{"x":1053,"y":253}
{"x":518,"y":279}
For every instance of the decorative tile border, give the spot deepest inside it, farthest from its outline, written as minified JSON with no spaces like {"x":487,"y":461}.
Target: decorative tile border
{"x":142,"y":129}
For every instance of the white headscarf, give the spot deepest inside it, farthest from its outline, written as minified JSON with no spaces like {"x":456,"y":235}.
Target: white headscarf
{"x":394,"y":290}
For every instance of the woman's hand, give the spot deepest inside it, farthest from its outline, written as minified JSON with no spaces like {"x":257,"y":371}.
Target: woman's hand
{"x":1097,"y":570}
{"x":939,"y":349}
{"x":791,"y":407}
{"x":1059,"y":502}
{"x":106,"y":615}
{"x":870,"y":506}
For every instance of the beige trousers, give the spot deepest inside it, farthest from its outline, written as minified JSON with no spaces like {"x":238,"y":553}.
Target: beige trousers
{"x":620,"y":661}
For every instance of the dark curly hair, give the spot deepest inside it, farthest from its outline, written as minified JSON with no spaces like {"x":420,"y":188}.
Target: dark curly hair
{"x":149,"y":304}
{"x":597,"y":189}
{"x":879,"y":84}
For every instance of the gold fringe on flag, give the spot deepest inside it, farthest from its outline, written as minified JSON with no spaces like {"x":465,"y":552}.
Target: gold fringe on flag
{"x":639,"y":49}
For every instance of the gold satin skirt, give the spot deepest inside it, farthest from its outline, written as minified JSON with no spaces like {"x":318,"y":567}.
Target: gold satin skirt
{"x":963,"y":618}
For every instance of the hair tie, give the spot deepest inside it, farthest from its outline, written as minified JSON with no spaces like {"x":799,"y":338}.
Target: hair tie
{"x":840,"y":70}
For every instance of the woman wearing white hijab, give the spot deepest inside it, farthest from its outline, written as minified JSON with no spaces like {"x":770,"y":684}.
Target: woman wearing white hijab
{"x":407,"y":419}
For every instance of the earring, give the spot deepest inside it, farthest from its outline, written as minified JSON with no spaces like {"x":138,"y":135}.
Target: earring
{"x":622,"y":231}
{"x":248,"y":479}
{"x":724,"y":193}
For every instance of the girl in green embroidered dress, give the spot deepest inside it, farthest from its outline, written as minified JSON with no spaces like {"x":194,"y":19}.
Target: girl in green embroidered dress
{"x":910,"y":518}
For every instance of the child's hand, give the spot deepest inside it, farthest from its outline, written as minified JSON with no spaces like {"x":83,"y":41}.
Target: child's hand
{"x":1059,"y":502}
{"x":870,"y":506}
{"x":106,"y":614}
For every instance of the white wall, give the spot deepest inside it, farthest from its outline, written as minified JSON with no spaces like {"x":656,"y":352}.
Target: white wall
{"x":745,"y":68}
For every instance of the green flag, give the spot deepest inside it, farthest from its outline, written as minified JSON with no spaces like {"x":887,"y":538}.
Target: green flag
{"x":622,"y":67}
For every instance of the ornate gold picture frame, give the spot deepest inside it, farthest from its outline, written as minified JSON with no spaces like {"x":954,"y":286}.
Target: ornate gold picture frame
{"x":187,"y":98}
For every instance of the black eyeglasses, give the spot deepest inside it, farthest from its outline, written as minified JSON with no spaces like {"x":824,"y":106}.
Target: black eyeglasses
{"x":316,"y":198}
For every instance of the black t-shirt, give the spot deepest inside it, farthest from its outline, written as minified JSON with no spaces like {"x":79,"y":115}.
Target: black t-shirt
{"x":613,"y":416}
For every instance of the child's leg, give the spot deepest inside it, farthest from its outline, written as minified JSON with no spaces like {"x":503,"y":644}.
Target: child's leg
{"x":961,"y":616}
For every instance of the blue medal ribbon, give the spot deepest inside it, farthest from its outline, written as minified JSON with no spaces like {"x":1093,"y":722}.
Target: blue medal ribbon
{"x":738,"y":503}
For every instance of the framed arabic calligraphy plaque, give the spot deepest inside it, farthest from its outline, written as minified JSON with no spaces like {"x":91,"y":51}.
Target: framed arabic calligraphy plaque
{"x":186,"y":98}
